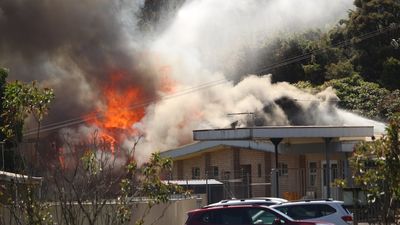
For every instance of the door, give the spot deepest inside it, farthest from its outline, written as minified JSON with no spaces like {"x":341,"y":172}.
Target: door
{"x":245,"y":187}
{"x":332,"y":176}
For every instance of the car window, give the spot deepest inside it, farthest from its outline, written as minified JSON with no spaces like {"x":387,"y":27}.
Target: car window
{"x":226,"y":216}
{"x":346,"y":209}
{"x":307,"y":211}
{"x":326,"y":209}
{"x":261,"y":216}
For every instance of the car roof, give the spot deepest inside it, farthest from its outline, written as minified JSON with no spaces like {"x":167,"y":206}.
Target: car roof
{"x":244,"y":202}
{"x":310,"y":201}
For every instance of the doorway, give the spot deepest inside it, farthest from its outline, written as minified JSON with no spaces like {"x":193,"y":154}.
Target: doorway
{"x":334,"y":169}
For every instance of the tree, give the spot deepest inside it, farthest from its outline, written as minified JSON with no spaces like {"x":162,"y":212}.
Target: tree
{"x":379,"y":20}
{"x":3,"y":76}
{"x":93,"y":187}
{"x":339,"y":70}
{"x":276,"y":55}
{"x":390,"y":74}
{"x":20,"y":101}
{"x":375,"y":167}
{"x":359,"y":96}
{"x":390,"y":104}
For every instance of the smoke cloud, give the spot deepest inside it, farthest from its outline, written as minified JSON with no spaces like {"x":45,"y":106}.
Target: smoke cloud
{"x":74,"y":46}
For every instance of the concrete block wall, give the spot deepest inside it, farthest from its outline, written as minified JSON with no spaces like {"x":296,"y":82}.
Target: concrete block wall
{"x":172,"y":213}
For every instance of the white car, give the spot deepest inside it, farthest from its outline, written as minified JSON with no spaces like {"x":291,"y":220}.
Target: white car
{"x":318,"y":210}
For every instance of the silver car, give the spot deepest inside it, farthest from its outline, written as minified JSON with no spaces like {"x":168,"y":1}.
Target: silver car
{"x":319,"y":210}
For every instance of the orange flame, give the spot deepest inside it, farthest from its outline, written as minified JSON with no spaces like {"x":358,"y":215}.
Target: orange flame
{"x":167,"y":84}
{"x":120,"y":111}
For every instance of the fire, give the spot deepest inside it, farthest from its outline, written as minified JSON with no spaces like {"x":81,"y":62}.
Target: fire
{"x":61,"y":157}
{"x":120,"y":109}
{"x":119,"y":112}
{"x":167,"y":85}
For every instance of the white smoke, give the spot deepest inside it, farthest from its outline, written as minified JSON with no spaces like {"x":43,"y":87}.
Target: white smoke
{"x":207,"y":34}
{"x":203,"y":41}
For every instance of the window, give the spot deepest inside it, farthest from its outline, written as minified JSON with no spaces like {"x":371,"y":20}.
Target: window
{"x":282,"y":169}
{"x":238,"y":216}
{"x":227,"y":175}
{"x":261,"y":216}
{"x":195,"y":172}
{"x":307,"y":211}
{"x":213,"y":172}
{"x":259,"y":170}
{"x":225,"y":216}
{"x":312,"y":173}
{"x":334,"y":171}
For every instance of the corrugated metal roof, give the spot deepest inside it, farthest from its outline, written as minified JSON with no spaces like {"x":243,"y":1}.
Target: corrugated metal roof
{"x":18,"y":178}
{"x":193,"y":182}
{"x":206,"y":145}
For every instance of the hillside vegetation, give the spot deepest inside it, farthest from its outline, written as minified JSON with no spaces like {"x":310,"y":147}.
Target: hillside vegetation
{"x":358,"y":57}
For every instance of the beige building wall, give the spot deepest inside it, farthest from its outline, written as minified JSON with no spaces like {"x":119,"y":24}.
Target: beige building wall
{"x":291,"y":181}
{"x":223,"y":159}
{"x":188,"y":164}
{"x":255,"y":158}
{"x":294,"y":183}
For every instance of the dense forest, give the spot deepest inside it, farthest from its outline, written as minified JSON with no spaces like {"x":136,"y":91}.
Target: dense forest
{"x":359,"y":57}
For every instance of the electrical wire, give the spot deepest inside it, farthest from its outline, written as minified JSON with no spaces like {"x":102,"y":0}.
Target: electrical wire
{"x":317,"y":51}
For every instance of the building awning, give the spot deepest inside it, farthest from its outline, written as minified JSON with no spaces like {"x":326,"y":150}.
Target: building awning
{"x":207,"y":145}
{"x":194,"y":182}
{"x":19,"y":178}
{"x":265,"y":133}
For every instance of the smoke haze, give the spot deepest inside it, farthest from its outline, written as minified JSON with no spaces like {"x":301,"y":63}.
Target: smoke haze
{"x":73,"y":46}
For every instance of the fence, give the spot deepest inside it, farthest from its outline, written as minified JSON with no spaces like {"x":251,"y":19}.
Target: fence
{"x":293,"y":183}
{"x":372,"y":213}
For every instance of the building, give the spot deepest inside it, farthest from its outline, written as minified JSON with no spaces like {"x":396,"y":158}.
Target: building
{"x":285,"y":161}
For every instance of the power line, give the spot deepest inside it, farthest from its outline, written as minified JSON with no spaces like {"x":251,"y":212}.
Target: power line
{"x":288,"y":61}
{"x":79,"y":120}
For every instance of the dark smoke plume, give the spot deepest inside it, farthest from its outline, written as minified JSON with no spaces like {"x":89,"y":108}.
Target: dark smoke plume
{"x":72,"y":46}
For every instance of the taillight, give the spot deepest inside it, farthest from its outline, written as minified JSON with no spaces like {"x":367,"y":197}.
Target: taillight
{"x":348,"y":219}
